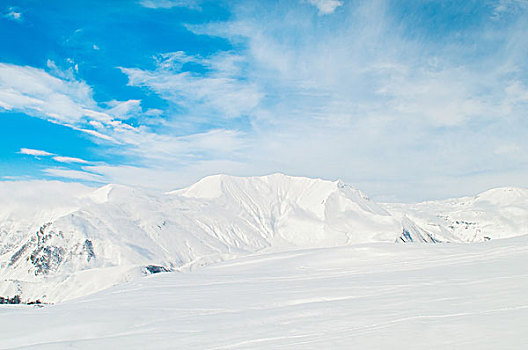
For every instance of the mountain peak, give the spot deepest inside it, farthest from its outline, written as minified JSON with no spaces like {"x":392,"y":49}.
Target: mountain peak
{"x":215,"y":186}
{"x":504,"y":195}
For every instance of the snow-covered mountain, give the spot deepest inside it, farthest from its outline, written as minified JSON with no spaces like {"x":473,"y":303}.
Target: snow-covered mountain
{"x":497,"y":213}
{"x":60,"y":240}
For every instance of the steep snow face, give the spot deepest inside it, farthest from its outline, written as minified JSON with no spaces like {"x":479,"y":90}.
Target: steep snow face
{"x":291,"y":211}
{"x":497,"y":213}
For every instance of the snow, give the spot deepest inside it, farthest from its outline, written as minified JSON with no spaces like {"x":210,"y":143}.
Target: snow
{"x":60,"y":241}
{"x":43,"y":251}
{"x":365,"y":296}
{"x":497,"y":213}
{"x":260,"y":262}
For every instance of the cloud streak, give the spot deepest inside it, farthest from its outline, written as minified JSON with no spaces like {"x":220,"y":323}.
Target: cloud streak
{"x":62,"y":159}
{"x":74,"y":174}
{"x":57,"y":158}
{"x":34,"y":152}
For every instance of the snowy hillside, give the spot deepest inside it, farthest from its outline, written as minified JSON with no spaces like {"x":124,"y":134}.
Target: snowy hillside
{"x":497,"y":213}
{"x":60,"y":241}
{"x":367,"y":296}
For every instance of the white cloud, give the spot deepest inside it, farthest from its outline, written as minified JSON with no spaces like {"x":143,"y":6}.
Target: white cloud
{"x":326,"y":7}
{"x":36,"y":92}
{"x":62,"y":159}
{"x":450,"y":97}
{"x":57,"y":158}
{"x":34,"y":152}
{"x":63,"y":100}
{"x":220,"y":92}
{"x":74,"y":174}
{"x":14,"y":15}
{"x":155,"y":149}
{"x":65,"y":74}
{"x":95,"y":133}
{"x":124,"y":109}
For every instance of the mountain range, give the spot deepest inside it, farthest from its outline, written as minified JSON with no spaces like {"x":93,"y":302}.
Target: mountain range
{"x":60,"y":241}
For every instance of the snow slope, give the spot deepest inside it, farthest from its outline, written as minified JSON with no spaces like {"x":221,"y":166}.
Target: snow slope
{"x":60,"y":241}
{"x":497,"y":213}
{"x":367,"y":296}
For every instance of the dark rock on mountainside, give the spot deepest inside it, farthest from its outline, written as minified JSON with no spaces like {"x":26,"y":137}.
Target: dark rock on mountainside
{"x":152,"y":269}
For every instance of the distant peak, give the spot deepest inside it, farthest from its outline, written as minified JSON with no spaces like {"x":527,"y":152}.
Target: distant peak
{"x":104,"y":193}
{"x":503,"y":194}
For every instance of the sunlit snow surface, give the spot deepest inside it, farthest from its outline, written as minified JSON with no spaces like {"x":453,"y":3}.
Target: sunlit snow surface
{"x":368,"y":296}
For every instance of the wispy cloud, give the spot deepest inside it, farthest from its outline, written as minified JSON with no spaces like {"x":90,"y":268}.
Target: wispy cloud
{"x":34,"y":152}
{"x":62,"y":159}
{"x":217,"y":90}
{"x":62,"y":99}
{"x":125,"y":109}
{"x":66,"y":101}
{"x":36,"y":92}
{"x":57,"y":158}
{"x":505,"y":7}
{"x":74,"y":174}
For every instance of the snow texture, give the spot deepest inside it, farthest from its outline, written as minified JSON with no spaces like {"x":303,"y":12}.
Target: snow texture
{"x":365,"y":296}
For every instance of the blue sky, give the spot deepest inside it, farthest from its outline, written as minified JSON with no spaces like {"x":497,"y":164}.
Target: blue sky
{"x":407,"y":100}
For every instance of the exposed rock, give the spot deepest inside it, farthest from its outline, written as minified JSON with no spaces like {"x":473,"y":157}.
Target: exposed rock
{"x":152,"y":269}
